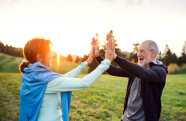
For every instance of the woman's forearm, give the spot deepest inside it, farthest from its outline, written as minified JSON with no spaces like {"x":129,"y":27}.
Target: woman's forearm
{"x":75,"y":72}
{"x":64,"y":84}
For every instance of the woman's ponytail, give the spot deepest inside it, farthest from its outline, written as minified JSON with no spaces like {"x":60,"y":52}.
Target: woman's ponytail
{"x":23,"y":64}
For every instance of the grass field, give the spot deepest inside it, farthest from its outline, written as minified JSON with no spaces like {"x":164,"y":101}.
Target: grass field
{"x":9,"y":63}
{"x":103,"y":101}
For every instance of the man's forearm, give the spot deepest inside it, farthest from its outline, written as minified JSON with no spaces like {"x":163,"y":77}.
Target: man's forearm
{"x":115,"y":71}
{"x":150,"y":74}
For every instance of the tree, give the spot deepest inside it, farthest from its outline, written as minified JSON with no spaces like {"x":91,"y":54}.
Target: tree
{"x":174,"y":58}
{"x":10,"y":50}
{"x":62,"y":58}
{"x":69,"y":58}
{"x":115,"y":41}
{"x":1,"y":47}
{"x":85,"y":57}
{"x":93,"y":65}
{"x":169,"y":57}
{"x":133,"y":55}
{"x":182,"y":59}
{"x":184,"y":49}
{"x":77,"y":59}
{"x":159,"y":56}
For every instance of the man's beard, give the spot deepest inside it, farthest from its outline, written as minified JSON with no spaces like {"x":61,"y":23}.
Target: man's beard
{"x":145,"y":62}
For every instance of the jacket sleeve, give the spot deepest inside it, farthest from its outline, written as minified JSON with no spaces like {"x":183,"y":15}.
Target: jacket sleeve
{"x":75,"y":72}
{"x":154,"y":74}
{"x":113,"y":70}
{"x":64,"y":84}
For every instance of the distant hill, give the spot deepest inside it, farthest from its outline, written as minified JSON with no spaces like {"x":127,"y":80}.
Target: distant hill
{"x":10,"y":64}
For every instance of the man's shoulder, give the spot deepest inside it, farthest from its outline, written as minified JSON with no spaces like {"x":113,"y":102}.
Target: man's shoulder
{"x":158,"y":65}
{"x":160,"y":69}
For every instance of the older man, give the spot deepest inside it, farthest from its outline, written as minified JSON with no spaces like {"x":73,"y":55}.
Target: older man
{"x":146,"y":81}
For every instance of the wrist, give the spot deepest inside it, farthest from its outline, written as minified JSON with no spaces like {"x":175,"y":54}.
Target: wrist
{"x":108,"y":58}
{"x":107,"y":61}
{"x":115,"y":56}
{"x":96,"y":56}
{"x":89,"y":60}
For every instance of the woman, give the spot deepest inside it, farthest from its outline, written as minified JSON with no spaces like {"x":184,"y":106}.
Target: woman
{"x":39,"y":100}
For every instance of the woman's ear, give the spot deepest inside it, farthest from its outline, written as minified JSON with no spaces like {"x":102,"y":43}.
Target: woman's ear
{"x":39,"y":57}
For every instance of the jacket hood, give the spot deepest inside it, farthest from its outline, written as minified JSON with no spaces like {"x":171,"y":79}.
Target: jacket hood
{"x":35,"y":67}
{"x":158,"y":63}
{"x":34,"y":83}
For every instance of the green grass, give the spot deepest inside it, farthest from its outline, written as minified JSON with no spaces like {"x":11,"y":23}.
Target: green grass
{"x":174,"y":98}
{"x":102,"y":101}
{"x":10,"y":64}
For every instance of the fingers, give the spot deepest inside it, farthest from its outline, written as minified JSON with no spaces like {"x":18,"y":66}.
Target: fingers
{"x":109,"y":36}
{"x":90,"y":57}
{"x":105,"y":47}
{"x":108,"y":53}
{"x":112,"y":45}
{"x":97,"y":48}
{"x":109,"y":47}
{"x":92,"y":52}
{"x":93,"y":42}
{"x":110,"y":40}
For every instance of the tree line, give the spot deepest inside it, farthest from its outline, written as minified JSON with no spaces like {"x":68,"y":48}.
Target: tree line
{"x":10,"y":50}
{"x":167,"y":57}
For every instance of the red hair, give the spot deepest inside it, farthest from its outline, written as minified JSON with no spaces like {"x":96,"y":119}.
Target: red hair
{"x":32,"y":48}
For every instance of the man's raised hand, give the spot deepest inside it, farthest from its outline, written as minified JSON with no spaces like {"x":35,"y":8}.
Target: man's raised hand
{"x":111,"y":44}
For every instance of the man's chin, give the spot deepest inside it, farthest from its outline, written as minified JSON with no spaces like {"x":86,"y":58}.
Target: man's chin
{"x":142,"y":64}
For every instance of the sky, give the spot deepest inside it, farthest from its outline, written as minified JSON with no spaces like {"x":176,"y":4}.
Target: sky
{"x":71,"y":24}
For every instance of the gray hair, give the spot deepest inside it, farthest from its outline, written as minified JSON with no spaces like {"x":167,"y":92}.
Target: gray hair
{"x":152,"y":46}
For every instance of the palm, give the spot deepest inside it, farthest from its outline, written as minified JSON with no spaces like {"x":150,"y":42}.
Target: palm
{"x":110,"y":47}
{"x":95,"y":47}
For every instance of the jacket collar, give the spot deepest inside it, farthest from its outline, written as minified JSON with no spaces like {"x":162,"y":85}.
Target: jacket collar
{"x":35,"y":67}
{"x":158,"y":63}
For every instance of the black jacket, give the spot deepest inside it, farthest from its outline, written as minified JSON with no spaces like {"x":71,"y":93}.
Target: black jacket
{"x":152,"y":83}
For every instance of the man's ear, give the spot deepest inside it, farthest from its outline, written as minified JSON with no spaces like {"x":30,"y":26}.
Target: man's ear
{"x":153,"y":54}
{"x":39,"y":57}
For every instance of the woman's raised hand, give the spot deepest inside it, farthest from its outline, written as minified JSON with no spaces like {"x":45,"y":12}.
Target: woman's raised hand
{"x":91,"y":56}
{"x":94,"y":51}
{"x":95,"y":46}
{"x":109,"y":49}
